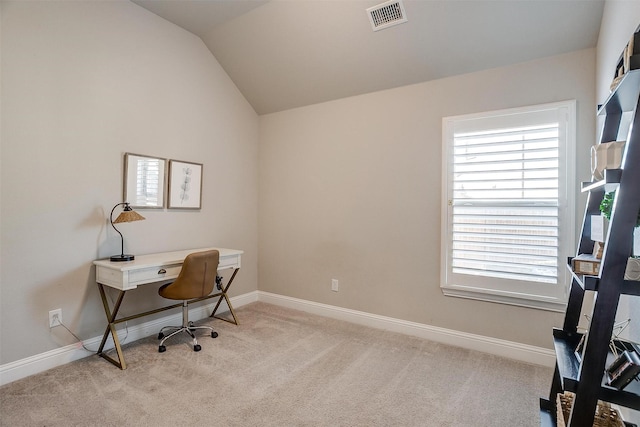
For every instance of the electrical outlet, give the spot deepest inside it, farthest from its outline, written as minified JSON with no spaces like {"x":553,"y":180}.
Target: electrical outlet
{"x":55,"y":317}
{"x":334,"y":285}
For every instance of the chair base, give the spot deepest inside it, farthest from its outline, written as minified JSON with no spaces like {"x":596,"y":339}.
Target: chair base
{"x":187,"y":327}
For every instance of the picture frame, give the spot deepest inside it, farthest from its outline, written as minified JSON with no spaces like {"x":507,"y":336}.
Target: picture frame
{"x":185,"y":185}
{"x":145,"y":179}
{"x":623,"y":370}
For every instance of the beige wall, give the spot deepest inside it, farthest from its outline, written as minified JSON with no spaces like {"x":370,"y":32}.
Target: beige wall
{"x":348,"y":189}
{"x":351,"y":189}
{"x":82,"y":83}
{"x":620,"y":19}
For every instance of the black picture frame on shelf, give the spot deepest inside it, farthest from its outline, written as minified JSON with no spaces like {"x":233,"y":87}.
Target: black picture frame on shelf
{"x":623,"y":370}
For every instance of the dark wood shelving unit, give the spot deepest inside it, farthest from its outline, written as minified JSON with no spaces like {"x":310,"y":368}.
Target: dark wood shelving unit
{"x":584,"y":373}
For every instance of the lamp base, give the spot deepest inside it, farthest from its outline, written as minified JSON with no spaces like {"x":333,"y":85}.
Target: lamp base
{"x":120,"y":258}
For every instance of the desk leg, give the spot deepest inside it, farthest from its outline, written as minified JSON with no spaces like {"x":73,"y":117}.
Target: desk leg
{"x":111,"y":328}
{"x":223,"y":294}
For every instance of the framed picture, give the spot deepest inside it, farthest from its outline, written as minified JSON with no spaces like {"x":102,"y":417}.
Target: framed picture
{"x":144,"y":181}
{"x":185,"y":185}
{"x":623,"y":370}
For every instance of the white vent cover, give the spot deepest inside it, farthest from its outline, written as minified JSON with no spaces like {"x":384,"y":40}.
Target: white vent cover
{"x":387,"y":14}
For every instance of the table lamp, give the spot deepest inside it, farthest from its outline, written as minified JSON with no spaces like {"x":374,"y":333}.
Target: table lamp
{"x":127,"y":215}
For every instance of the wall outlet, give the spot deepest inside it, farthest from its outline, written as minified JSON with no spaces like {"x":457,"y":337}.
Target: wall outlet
{"x":55,"y":317}
{"x":334,"y":285}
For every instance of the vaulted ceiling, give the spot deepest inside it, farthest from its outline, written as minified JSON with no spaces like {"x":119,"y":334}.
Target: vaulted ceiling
{"x":283,"y":54}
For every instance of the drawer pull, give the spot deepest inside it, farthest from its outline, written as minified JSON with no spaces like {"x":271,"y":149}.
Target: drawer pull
{"x":162,"y":271}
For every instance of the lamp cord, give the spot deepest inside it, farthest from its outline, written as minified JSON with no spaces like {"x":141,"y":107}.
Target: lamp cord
{"x":122,"y":340}
{"x":81,"y":341}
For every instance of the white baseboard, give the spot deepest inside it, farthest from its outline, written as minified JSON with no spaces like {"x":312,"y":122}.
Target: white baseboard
{"x":513,"y":350}
{"x":22,"y":368}
{"x":13,"y":371}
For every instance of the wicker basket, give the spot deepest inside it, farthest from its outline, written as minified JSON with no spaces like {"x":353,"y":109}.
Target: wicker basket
{"x":605,"y":415}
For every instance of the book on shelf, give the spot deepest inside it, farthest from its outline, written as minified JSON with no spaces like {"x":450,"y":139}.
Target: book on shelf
{"x":586,"y":264}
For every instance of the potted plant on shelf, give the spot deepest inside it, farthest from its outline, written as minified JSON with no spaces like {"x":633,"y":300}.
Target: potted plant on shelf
{"x":606,"y":205}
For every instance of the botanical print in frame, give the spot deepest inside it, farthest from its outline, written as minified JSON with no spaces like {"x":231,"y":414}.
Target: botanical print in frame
{"x":185,"y":185}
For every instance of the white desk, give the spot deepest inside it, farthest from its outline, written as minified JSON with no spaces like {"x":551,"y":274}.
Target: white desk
{"x":149,"y":269}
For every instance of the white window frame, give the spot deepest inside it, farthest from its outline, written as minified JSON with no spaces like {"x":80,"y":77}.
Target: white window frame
{"x":545,"y":296}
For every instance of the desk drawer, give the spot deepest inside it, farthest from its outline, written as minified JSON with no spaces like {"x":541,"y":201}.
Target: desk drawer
{"x":109,"y":277}
{"x":154,"y":274}
{"x":232,"y":261}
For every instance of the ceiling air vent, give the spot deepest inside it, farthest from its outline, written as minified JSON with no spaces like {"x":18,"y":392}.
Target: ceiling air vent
{"x":387,"y":14}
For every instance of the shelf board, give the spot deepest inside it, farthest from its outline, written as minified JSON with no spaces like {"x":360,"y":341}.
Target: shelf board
{"x":611,"y":176}
{"x":630,"y":287}
{"x":588,"y":283}
{"x":569,"y":367}
{"x":592,"y":283}
{"x":568,"y":364}
{"x":625,"y":95}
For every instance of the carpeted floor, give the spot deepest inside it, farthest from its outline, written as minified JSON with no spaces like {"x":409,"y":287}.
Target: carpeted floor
{"x":282,"y":367}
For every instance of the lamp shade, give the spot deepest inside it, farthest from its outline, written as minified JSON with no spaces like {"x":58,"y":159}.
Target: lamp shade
{"x":127,"y":215}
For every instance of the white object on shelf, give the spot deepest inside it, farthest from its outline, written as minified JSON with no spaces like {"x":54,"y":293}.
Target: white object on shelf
{"x":599,"y":227}
{"x":606,"y":155}
{"x":633,"y":269}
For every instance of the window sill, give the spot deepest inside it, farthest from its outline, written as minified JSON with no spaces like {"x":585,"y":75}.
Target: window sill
{"x":510,"y":298}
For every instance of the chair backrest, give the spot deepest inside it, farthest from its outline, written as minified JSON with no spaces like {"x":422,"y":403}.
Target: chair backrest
{"x":196,"y":279}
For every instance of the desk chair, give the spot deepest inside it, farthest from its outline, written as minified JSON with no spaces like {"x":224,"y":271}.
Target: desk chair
{"x":195,"y":280}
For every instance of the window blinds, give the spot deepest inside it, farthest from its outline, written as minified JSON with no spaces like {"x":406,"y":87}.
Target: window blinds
{"x":505,"y":203}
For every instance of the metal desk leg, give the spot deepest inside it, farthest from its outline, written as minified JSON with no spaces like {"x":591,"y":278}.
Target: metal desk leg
{"x":223,"y":294}
{"x":111,"y":328}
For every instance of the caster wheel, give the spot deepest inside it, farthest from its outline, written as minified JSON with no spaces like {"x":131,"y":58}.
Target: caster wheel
{"x":197,"y":347}
{"x":214,"y":334}
{"x":162,"y":349}
{"x":160,"y":335}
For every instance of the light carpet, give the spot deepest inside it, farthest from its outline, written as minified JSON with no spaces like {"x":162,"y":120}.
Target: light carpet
{"x":282,"y":367}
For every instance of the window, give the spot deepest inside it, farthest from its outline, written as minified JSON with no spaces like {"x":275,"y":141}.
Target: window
{"x":148,"y":184}
{"x":508,"y":205}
